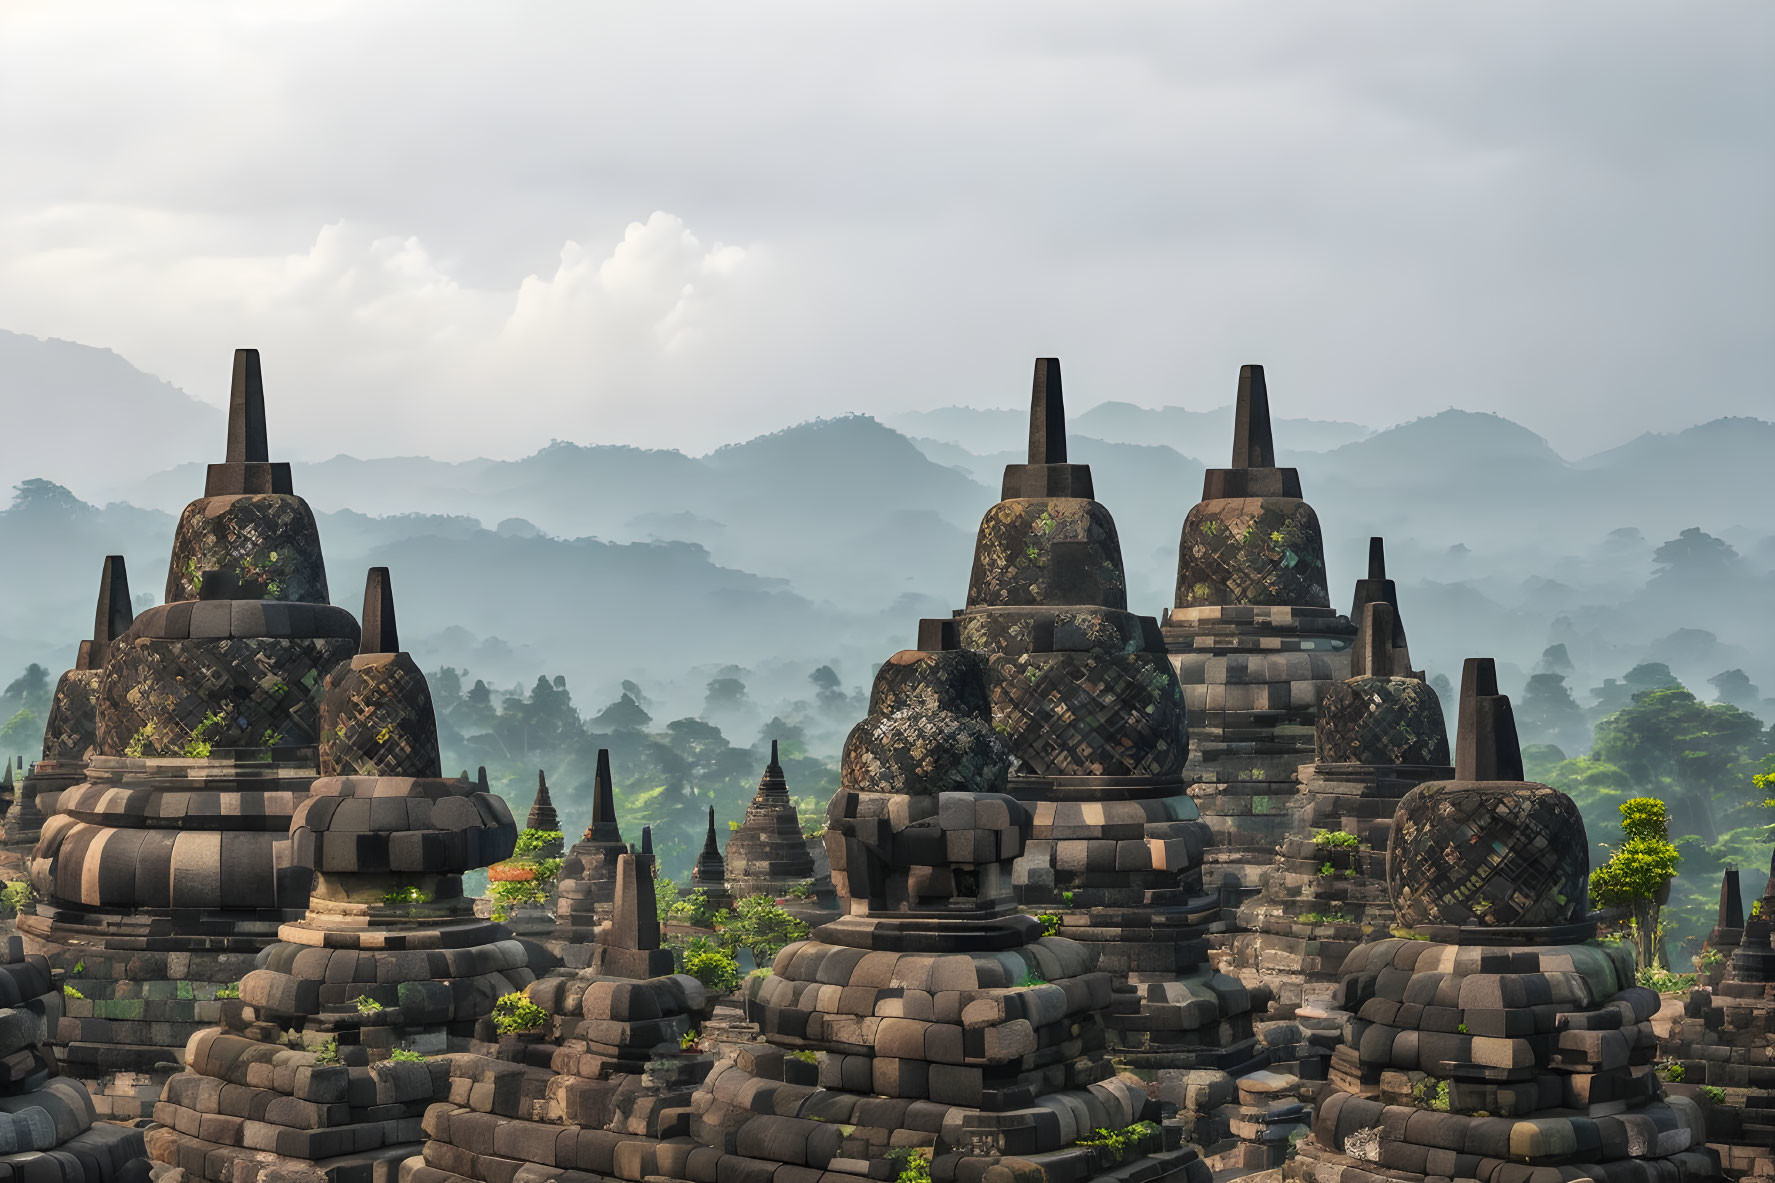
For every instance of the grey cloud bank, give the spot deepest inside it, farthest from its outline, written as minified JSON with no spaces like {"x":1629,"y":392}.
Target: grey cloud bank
{"x":678,"y":227}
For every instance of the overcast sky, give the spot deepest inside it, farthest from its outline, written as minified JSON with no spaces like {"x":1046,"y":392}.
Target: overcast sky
{"x":469,"y":228}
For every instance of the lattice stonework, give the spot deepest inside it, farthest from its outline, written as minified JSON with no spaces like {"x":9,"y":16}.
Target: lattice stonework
{"x":377,"y":720}
{"x":1059,"y":550}
{"x":268,"y":539}
{"x":73,"y":716}
{"x":1381,"y":721}
{"x":1252,"y":550}
{"x":162,"y":696}
{"x":1090,"y":714}
{"x":1488,"y":854}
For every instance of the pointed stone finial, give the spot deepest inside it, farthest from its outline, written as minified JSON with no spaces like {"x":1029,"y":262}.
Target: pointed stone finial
{"x":1731,"y":901}
{"x":1047,"y":472}
{"x":481,"y":782}
{"x":647,"y":841}
{"x":247,"y":467}
{"x":1373,"y":653}
{"x":634,"y":919}
{"x":1486,"y":747}
{"x":1377,"y":559}
{"x":774,"y":762}
{"x":1047,"y":414}
{"x":604,"y":827}
{"x":380,"y":634}
{"x":111,"y":619}
{"x":246,"y":411}
{"x":1253,"y":445}
{"x":710,"y":846}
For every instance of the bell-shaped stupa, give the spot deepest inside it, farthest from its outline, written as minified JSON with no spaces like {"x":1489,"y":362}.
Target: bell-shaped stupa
{"x":1379,"y":735}
{"x":72,"y":728}
{"x":1081,"y":689}
{"x":162,"y":875}
{"x":1254,"y":640}
{"x":1494,"y":1038}
{"x":388,"y":957}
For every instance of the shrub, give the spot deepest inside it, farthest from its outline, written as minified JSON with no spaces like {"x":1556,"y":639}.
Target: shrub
{"x":1714,"y":1094}
{"x":532,"y":841}
{"x":1121,"y":1141}
{"x":760,"y":925}
{"x":1664,"y":981}
{"x":401,"y":1055}
{"x":1672,"y":1072}
{"x":711,"y":965}
{"x":913,"y":1163}
{"x":16,"y":897}
{"x":231,"y":990}
{"x":1050,"y":923}
{"x":1637,"y":871}
{"x":1342,"y":839}
{"x":406,"y":895}
{"x":695,"y":910}
{"x":514,"y":1013}
{"x":328,"y":1053}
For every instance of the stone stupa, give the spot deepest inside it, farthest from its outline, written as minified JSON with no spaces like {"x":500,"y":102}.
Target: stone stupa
{"x":1379,"y":735}
{"x":1495,"y":1039}
{"x":297,"y":1082}
{"x":1254,"y":639}
{"x":72,"y":727}
{"x":162,"y":875}
{"x":1081,"y":689}
{"x":709,"y":875}
{"x":768,"y":854}
{"x":587,"y":885}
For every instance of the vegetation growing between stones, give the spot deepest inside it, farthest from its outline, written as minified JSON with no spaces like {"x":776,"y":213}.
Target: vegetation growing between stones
{"x":1323,"y":839}
{"x":401,"y":1055}
{"x":711,"y":965}
{"x":1122,"y":1141}
{"x":231,"y":990}
{"x":328,"y":1053}
{"x":912,"y":1163}
{"x":514,"y":1013}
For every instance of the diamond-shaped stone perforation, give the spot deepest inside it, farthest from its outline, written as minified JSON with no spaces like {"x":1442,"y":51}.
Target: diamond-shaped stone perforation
{"x":1085,"y":714}
{"x":268,"y":539}
{"x":1381,"y":721}
{"x":378,"y":720}
{"x":1252,"y":550}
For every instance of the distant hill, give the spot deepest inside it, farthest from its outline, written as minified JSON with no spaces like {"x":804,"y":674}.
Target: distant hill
{"x":1205,"y":436}
{"x":76,"y":414}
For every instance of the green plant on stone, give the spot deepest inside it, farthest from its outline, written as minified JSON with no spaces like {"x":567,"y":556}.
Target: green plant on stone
{"x":231,"y":990}
{"x":79,"y":967}
{"x":1032,"y":978}
{"x":401,"y":1055}
{"x":688,"y":1041}
{"x":198,"y":747}
{"x":1709,"y":960}
{"x":1461,"y":1028}
{"x":1326,"y":918}
{"x":533,"y":841}
{"x":1326,"y":870}
{"x":759,"y":923}
{"x":328,"y":1053}
{"x":912,"y":1164}
{"x":1672,"y":1072}
{"x":70,"y":992}
{"x":1664,"y":981}
{"x":1120,"y":1141}
{"x":1335,"y":838}
{"x":1714,"y":1094}
{"x":801,"y":891}
{"x":137,"y":747}
{"x":514,"y":1013}
{"x":17,"y":896}
{"x":1050,"y":923}
{"x":806,"y":1056}
{"x":406,"y":895}
{"x":1066,"y":898}
{"x":711,"y":965}
{"x":366,"y":1005}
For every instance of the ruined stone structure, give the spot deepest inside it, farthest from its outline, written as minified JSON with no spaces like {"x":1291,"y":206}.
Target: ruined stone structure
{"x":768,"y":855}
{"x":1723,"y":1047}
{"x":163,"y":874}
{"x":1498,"y":1041}
{"x":72,"y":727}
{"x":1083,"y":692}
{"x":709,"y":875}
{"x":1378,"y":735}
{"x":603,"y":1088}
{"x":588,"y":873}
{"x":297,"y":1083}
{"x":1254,"y":640}
{"x":47,"y":1128}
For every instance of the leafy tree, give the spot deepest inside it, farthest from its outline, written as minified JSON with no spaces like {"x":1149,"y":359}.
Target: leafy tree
{"x":1695,"y":555}
{"x":1734,"y":688}
{"x":625,"y":714}
{"x":1638,"y":874}
{"x":22,"y":733}
{"x":791,"y":737}
{"x":1614,"y":695}
{"x":30,"y":691}
{"x":725,"y":695}
{"x":711,"y":965}
{"x":759,"y":924}
{"x":1555,"y":660}
{"x":1549,"y":714}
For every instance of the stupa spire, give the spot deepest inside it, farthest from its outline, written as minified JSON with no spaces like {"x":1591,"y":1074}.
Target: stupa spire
{"x":1377,"y":558}
{"x":247,"y":467}
{"x":604,"y":826}
{"x":1731,"y":913}
{"x":112,"y":617}
{"x":1376,"y":588}
{"x":1047,"y":414}
{"x":542,"y":814}
{"x":1486,"y":747}
{"x":710,"y":846}
{"x":1253,"y":444}
{"x":1047,"y":472}
{"x":379,"y":632}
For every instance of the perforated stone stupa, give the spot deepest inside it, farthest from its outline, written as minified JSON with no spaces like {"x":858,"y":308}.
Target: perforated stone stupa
{"x":1500,"y":1043}
{"x":1254,"y":640}
{"x":1378,"y":735}
{"x":768,"y":854}
{"x":1724,"y":1043}
{"x":297,"y":1082}
{"x":163,"y":874}
{"x":1083,"y":692}
{"x":72,"y":727}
